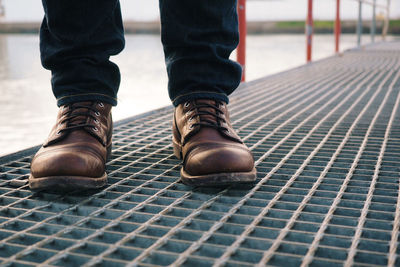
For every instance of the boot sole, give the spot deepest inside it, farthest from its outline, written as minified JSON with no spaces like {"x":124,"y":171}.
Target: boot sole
{"x":215,"y":179}
{"x":68,"y":183}
{"x":219,"y":179}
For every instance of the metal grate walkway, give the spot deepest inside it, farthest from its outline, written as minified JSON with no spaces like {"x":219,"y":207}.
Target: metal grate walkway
{"x":326,"y":138}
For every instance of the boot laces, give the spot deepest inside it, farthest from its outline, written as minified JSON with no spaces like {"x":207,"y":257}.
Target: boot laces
{"x":207,"y":118}
{"x":78,"y":115}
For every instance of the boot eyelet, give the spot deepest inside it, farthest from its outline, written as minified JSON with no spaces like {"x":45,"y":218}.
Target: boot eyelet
{"x":190,"y":119}
{"x":97,"y":113}
{"x":191,"y":127}
{"x":186,"y":104}
{"x":58,"y":133}
{"x":101,"y":105}
{"x":95,"y":129}
{"x":97,"y":121}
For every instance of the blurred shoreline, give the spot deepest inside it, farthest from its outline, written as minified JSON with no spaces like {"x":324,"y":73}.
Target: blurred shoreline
{"x":253,"y":27}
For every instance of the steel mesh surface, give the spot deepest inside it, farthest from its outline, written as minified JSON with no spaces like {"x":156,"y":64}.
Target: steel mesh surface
{"x":326,"y":139}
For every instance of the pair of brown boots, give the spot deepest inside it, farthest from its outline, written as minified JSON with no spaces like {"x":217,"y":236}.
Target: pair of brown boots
{"x":76,"y":151}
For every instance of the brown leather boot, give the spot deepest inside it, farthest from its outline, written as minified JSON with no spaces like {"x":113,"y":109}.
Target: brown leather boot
{"x":75,"y":153}
{"x":212,"y":152}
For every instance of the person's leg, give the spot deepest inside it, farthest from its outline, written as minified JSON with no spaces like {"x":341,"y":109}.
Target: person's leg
{"x":198,"y":38}
{"x":77,"y":38}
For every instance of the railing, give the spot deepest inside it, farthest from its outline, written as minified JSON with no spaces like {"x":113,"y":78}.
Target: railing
{"x":241,"y":49}
{"x":309,"y":29}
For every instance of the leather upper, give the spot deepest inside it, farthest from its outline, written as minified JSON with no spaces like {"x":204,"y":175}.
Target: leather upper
{"x":208,"y":142}
{"x":77,"y":144}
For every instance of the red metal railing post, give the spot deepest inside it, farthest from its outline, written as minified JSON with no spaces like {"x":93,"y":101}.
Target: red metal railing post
{"x":241,"y":49}
{"x":309,"y":29}
{"x":337,"y":26}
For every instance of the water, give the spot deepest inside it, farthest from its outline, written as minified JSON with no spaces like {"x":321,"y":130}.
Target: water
{"x":28,"y":109}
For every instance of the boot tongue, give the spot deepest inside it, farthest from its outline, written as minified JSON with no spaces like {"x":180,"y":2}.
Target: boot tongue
{"x":207,"y":117}
{"x":80,"y":108}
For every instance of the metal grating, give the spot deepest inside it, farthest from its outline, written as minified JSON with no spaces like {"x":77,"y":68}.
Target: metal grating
{"x":326,"y":138}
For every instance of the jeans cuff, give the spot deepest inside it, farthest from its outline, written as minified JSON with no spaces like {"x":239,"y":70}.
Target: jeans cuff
{"x":200,"y":95}
{"x":86,"y":97}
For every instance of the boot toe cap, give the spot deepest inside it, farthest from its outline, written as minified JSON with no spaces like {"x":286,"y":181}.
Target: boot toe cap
{"x":218,"y":159}
{"x":70,"y":162}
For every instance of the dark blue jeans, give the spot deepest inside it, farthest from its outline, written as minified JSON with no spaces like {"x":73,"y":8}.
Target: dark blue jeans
{"x":77,"y":38}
